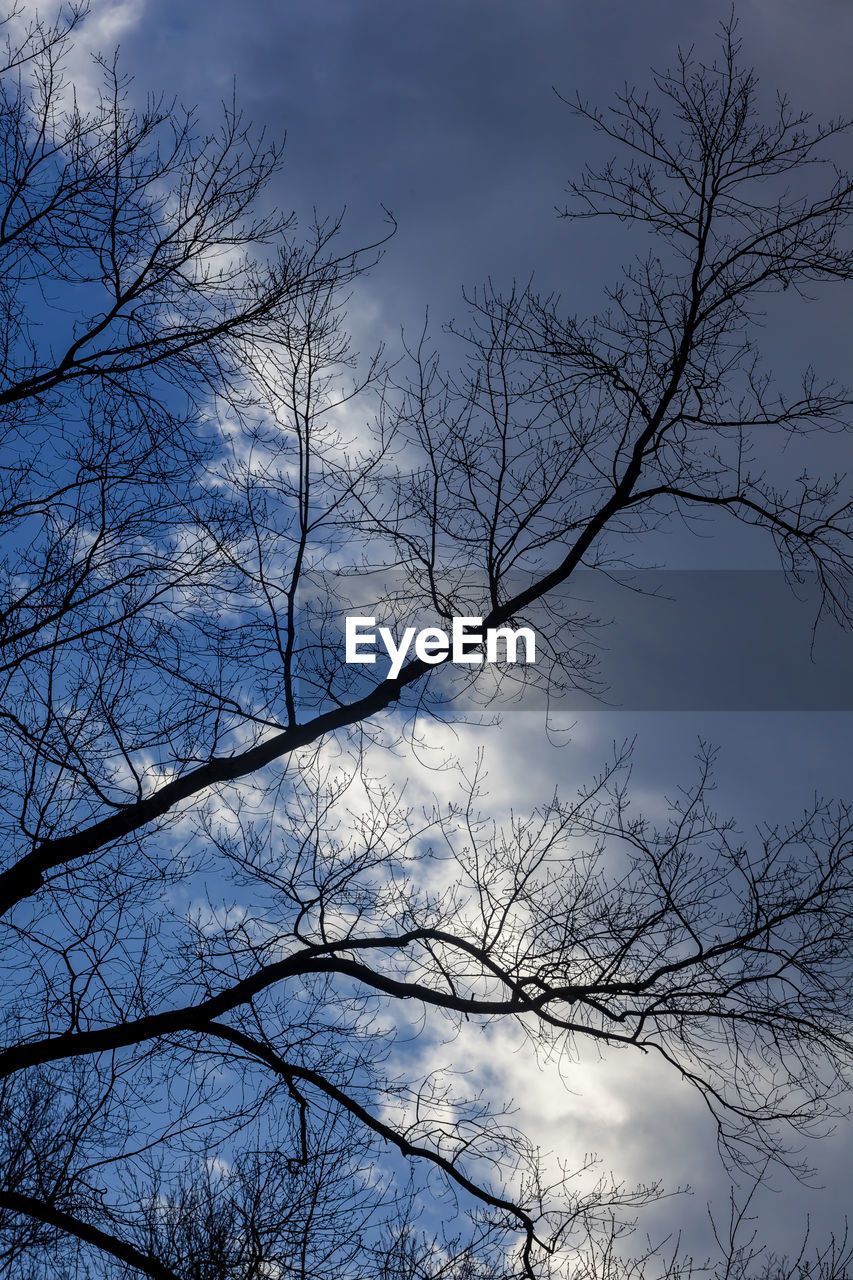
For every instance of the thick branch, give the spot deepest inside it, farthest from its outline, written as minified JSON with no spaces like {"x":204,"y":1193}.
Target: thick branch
{"x":31,"y":1207}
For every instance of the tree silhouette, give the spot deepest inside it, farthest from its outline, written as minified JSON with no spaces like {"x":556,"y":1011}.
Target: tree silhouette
{"x":217,"y":915}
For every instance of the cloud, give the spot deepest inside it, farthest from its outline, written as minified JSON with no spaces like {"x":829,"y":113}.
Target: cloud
{"x":99,"y":34}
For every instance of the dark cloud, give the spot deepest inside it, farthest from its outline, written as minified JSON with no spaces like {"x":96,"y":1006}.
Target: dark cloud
{"x":445,"y":111}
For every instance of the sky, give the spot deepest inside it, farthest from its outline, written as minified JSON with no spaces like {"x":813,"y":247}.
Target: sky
{"x":446,"y":114}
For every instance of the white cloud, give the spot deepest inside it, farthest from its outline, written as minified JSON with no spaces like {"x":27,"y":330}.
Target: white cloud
{"x":101,"y":31}
{"x":217,"y":1167}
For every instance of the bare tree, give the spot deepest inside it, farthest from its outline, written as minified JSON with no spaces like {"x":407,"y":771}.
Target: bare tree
{"x":217,"y":916}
